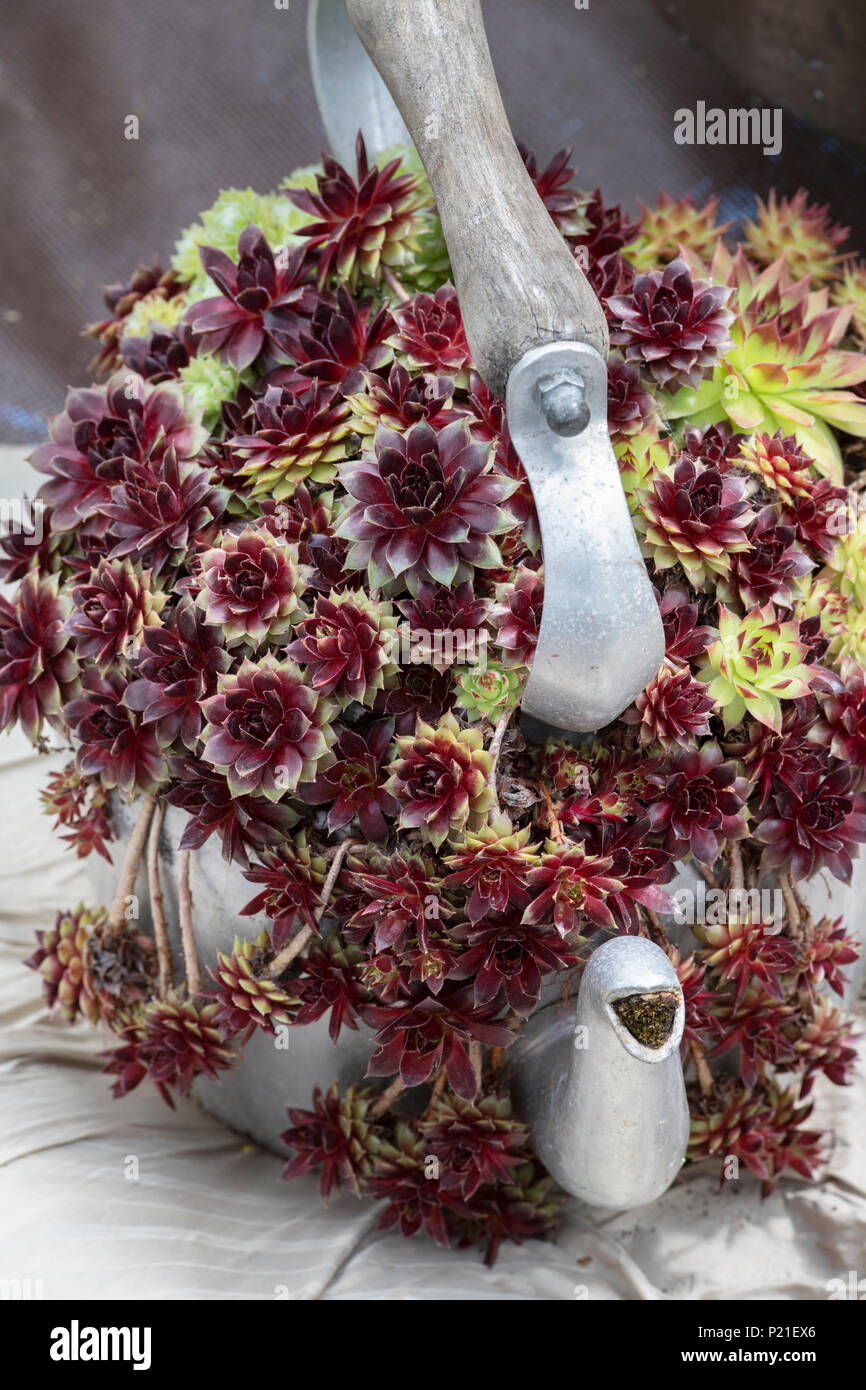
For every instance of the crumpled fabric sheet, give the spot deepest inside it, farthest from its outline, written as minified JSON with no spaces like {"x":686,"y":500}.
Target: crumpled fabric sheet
{"x":209,"y":1217}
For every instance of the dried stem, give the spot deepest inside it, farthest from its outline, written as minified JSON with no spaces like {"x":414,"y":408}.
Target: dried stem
{"x":702,"y":1067}
{"x":552,"y":818}
{"x":129,"y":870}
{"x":387,"y":1098}
{"x":476,"y":1060}
{"x":157,"y":906}
{"x":792,"y":907}
{"x":496,"y":1056}
{"x":187,"y":930}
{"x":735,"y":866}
{"x":658,"y":930}
{"x":438,"y":1088}
{"x":391,"y":280}
{"x":283,"y":960}
{"x":706,"y":874}
{"x":494,"y":750}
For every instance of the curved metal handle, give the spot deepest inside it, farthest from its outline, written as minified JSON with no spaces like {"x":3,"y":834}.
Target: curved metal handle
{"x":538,"y":337}
{"x":518,"y":283}
{"x":601,"y":638}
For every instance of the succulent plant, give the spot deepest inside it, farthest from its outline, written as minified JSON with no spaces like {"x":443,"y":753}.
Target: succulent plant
{"x":361,"y":225}
{"x":676,"y":326}
{"x":516,"y":615}
{"x":784,"y":370}
{"x":674,"y":223}
{"x":260,"y":299}
{"x":763,"y":1130}
{"x":337,"y":1135}
{"x":553,"y":185}
{"x":111,"y":611}
{"x":175,"y":669}
{"x":755,"y":662}
{"x":250,"y":586}
{"x":697,"y":801}
{"x":61,"y":960}
{"x":425,"y":507}
{"x":346,"y":646}
{"x":798,"y":230}
{"x":242,"y":822}
{"x":696,"y":517}
{"x":161,"y":508}
{"x":293,"y":437}
{"x":430,"y":336}
{"x":247,"y":999}
{"x":815,"y":824}
{"x":487,"y":693}
{"x":113,"y":742}
{"x":570,"y":888}
{"x":222,"y":223}
{"x":440,"y":778}
{"x":267,"y":730}
{"x":342,"y":340}
{"x":172,"y":1042}
{"x":400,"y":400}
{"x":289,"y":578}
{"x":673,"y":710}
{"x":80,"y":805}
{"x":38,"y":668}
{"x":102,"y":431}
{"x":353,"y":786}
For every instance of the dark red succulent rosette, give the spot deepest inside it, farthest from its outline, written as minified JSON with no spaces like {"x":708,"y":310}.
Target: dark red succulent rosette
{"x":176,"y":668}
{"x":697,"y":801}
{"x":425,"y":508}
{"x":112,"y":741}
{"x":101,"y":431}
{"x":674,"y":325}
{"x":353,"y":786}
{"x":260,"y":301}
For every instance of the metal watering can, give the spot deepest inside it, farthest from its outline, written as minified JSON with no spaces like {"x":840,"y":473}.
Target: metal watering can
{"x":606,"y":1105}
{"x":608,"y":1113}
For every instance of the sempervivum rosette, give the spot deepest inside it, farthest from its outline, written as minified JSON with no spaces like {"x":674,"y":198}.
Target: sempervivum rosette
{"x":267,"y":730}
{"x":290,"y":583}
{"x":425,"y":507}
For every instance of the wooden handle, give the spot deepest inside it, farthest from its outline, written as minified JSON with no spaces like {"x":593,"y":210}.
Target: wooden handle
{"x":518,"y":283}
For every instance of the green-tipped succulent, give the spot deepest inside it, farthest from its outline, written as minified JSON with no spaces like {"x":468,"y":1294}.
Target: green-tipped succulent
{"x":756,"y":662}
{"x":785,"y":369}
{"x":489,"y":693}
{"x":221,"y":224}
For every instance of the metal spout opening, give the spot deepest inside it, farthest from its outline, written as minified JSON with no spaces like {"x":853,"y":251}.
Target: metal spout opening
{"x":648,"y":1017}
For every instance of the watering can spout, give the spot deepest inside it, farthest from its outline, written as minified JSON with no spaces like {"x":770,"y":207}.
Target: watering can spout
{"x":603,"y":1089}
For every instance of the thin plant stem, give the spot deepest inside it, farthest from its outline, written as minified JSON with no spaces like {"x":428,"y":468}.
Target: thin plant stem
{"x":187,"y":929}
{"x":283,"y":960}
{"x":552,"y":818}
{"x":792,"y":907}
{"x":129,"y":869}
{"x":494,"y":750}
{"x":702,"y":1067}
{"x":387,"y":1098}
{"x":157,"y":905}
{"x":393,"y":283}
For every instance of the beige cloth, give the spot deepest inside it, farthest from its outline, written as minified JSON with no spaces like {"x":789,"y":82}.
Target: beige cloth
{"x":208,"y":1216}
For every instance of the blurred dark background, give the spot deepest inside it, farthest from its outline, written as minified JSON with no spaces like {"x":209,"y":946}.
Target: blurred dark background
{"x":223,"y":96}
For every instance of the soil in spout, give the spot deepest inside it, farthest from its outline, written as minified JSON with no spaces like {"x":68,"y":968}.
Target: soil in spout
{"x":648,"y":1017}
